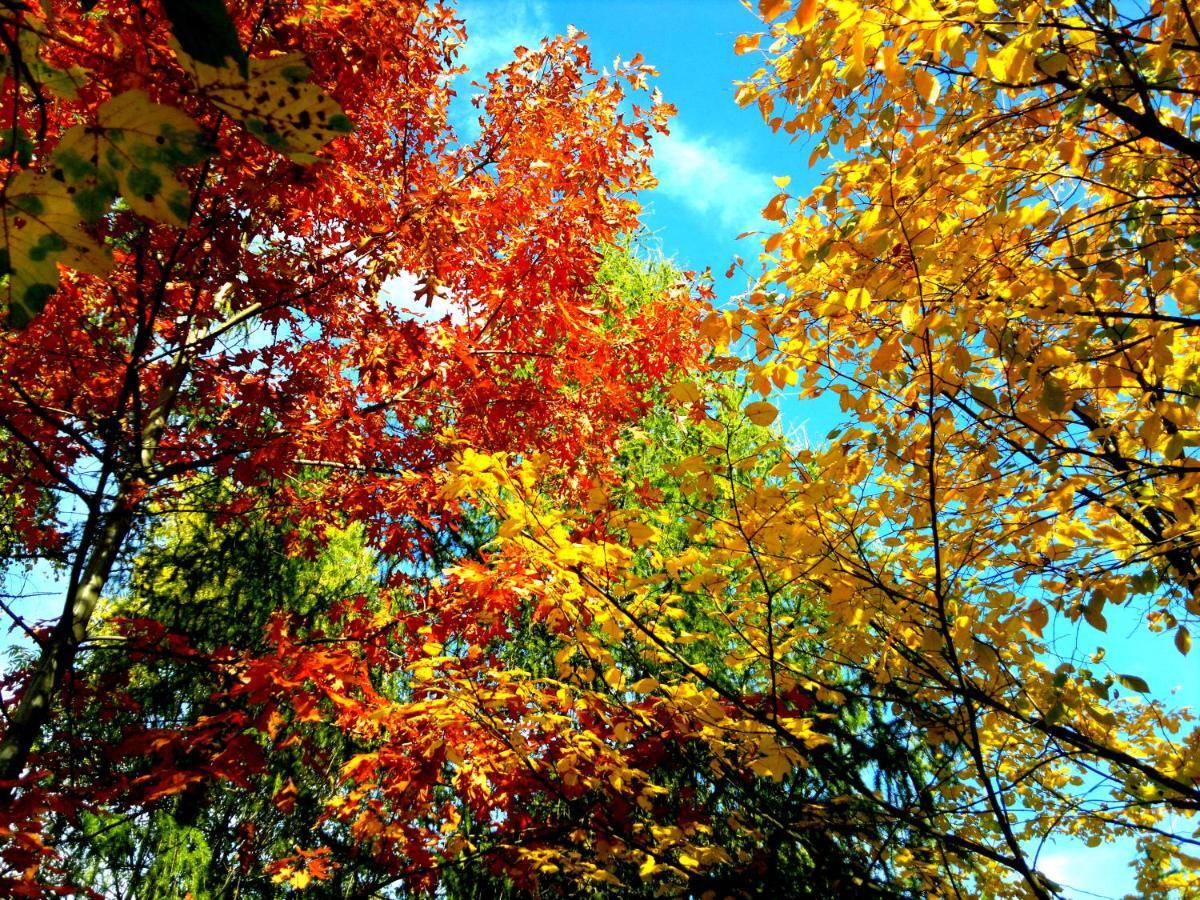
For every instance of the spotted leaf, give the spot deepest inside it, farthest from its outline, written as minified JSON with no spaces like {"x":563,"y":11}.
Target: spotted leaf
{"x":133,"y":150}
{"x":276,"y":103}
{"x":41,"y":231}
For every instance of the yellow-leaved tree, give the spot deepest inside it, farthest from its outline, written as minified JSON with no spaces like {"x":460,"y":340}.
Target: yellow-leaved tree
{"x":998,"y":276}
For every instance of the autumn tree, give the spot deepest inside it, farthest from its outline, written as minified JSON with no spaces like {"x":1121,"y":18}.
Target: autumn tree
{"x":206,"y":248}
{"x":592,"y":693}
{"x":211,"y":584}
{"x":998,"y":278}
{"x":591,"y":705}
{"x":629,"y":609}
{"x":203,"y":584}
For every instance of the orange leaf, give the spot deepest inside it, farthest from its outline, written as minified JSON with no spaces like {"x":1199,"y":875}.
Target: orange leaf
{"x":771,"y":9}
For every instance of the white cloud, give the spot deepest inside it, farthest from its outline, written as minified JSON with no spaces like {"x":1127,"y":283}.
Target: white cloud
{"x":1085,"y":873}
{"x":710,"y":178}
{"x":401,"y":293}
{"x":495,"y":27}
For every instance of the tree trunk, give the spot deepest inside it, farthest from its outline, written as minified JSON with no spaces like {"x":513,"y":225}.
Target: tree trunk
{"x":58,"y":653}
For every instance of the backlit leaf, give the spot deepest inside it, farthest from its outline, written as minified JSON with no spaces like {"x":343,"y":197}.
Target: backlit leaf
{"x":771,"y":9}
{"x":63,"y":83}
{"x":41,"y":231}
{"x":276,"y":102}
{"x":1134,"y":683}
{"x":133,"y":151}
{"x":761,"y":412}
{"x":1183,"y":640}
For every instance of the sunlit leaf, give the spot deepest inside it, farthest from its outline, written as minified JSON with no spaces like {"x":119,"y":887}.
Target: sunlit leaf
{"x":41,"y":231}
{"x":133,"y":150}
{"x":761,"y":413}
{"x":276,"y":102}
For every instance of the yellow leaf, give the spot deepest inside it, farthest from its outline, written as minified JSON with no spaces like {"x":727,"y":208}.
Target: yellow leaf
{"x":640,"y":533}
{"x":41,"y":230}
{"x":774,"y":211}
{"x":887,"y":357}
{"x":1187,"y":293}
{"x":806,"y":14}
{"x":685,"y":392}
{"x":300,"y":879}
{"x":858,"y":298}
{"x":770,"y":9}
{"x":1039,"y":616}
{"x":1012,"y":65}
{"x":644,"y":685}
{"x":277,"y":103}
{"x":1183,"y":640}
{"x":744,"y":43}
{"x":772,"y":764}
{"x":928,"y":87}
{"x":761,"y":413}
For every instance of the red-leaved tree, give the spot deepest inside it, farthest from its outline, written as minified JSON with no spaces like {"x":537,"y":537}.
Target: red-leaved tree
{"x":281,"y":269}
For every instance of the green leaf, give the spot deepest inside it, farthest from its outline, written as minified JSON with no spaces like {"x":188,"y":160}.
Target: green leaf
{"x":15,"y":144}
{"x":1053,"y":398}
{"x":206,"y":32}
{"x":133,"y":150}
{"x":41,"y":230}
{"x":1094,"y":616}
{"x":276,"y":103}
{"x":1119,"y":332}
{"x":984,"y":396}
{"x":1134,"y":683}
{"x":1078,"y":266}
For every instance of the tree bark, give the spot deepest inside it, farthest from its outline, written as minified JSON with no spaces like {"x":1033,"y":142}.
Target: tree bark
{"x":58,"y":653}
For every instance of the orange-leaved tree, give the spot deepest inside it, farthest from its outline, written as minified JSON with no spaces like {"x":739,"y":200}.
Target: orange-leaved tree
{"x":998,"y":277}
{"x":668,"y":721}
{"x":220,"y":229}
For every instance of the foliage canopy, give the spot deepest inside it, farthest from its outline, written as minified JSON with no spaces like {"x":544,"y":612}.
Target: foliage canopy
{"x":420,"y":538}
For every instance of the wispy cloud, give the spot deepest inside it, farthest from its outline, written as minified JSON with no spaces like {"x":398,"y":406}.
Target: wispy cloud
{"x":711,"y":178}
{"x":1085,"y":872}
{"x":495,"y":27}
